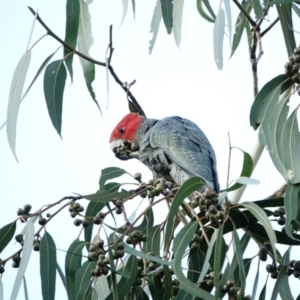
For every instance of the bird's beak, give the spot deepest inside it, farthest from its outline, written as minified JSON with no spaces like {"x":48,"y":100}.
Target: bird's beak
{"x":122,"y":149}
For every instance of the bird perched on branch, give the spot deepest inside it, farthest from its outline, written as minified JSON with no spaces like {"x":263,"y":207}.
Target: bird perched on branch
{"x":173,"y":148}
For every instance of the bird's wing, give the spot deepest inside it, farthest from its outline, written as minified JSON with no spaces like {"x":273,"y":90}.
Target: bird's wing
{"x":187,"y":146}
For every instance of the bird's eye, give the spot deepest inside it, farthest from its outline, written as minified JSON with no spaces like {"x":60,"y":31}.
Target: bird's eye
{"x":122,"y":130}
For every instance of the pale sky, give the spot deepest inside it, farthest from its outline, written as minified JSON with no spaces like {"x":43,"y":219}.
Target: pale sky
{"x":171,"y":81}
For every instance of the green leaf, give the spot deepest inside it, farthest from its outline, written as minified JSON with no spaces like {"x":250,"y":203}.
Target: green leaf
{"x":273,"y":126}
{"x":110,"y":173}
{"x":202,"y":13}
{"x":196,"y":261}
{"x":263,"y":292}
{"x":26,"y":253}
{"x":238,"y":250}
{"x":104,"y":196}
{"x":184,"y":295}
{"x":72,"y":24}
{"x":271,"y":202}
{"x":218,"y":38}
{"x":246,"y":180}
{"x":168,"y":283}
{"x":209,"y":8}
{"x":155,"y":287}
{"x":177,"y":18}
{"x":72,"y":264}
{"x":219,"y":256}
{"x":284,"y":287}
{"x":259,"y":232}
{"x":124,"y":285}
{"x":208,"y":255}
{"x":48,"y":266}
{"x":61,"y":274}
{"x":156,"y":18}
{"x":167,"y":14}
{"x":15,"y":94}
{"x":243,"y":244}
{"x":229,"y":19}
{"x":290,"y":148}
{"x":191,"y":185}
{"x":262,"y":217}
{"x":137,"y":253}
{"x":6,"y":234}
{"x":263,"y":99}
{"x":259,"y":13}
{"x":139,"y":293}
{"x":296,"y":9}
{"x":153,"y":240}
{"x":92,"y":209}
{"x":292,"y":207}
{"x":246,"y":170}
{"x":133,"y":7}
{"x":83,"y":279}
{"x":240,"y":25}
{"x":181,"y":242}
{"x":101,"y":287}
{"x":272,"y":2}
{"x":286,"y":21}
{"x":41,"y":68}
{"x":85,"y":41}
{"x":125,"y":8}
{"x":54,"y":85}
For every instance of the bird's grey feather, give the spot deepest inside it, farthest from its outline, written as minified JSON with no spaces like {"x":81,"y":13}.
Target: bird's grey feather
{"x":176,"y":149}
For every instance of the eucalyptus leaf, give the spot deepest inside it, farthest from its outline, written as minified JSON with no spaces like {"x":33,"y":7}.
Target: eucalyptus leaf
{"x":15,"y":94}
{"x":48,"y":266}
{"x":218,"y":38}
{"x":155,"y":22}
{"x":54,"y":85}
{"x":167,"y":14}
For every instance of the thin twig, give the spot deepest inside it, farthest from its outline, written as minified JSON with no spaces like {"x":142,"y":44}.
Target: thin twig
{"x":111,"y":49}
{"x":229,"y":160}
{"x":269,"y":27}
{"x":90,"y":59}
{"x":241,"y":8}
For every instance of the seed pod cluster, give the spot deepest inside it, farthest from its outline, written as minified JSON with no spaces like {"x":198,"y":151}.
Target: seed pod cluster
{"x":36,"y":245}
{"x":273,"y":270}
{"x":207,"y":199}
{"x":195,"y":243}
{"x":175,"y":287}
{"x":280,"y":212}
{"x":137,"y":176}
{"x":119,"y":205}
{"x":136,"y":237}
{"x":20,"y":239}
{"x":294,"y":268}
{"x":215,"y":216}
{"x":293,"y":65}
{"x":75,"y":208}
{"x":42,"y":220}
{"x":263,"y":251}
{"x":233,"y":291}
{"x":98,"y":219}
{"x":24,"y":211}
{"x":16,"y":259}
{"x":140,"y":273}
{"x":97,"y":253}
{"x":118,"y":250}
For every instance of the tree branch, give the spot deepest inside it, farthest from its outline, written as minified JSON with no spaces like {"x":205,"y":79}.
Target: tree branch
{"x":269,"y":27}
{"x":90,"y":59}
{"x":241,"y":8}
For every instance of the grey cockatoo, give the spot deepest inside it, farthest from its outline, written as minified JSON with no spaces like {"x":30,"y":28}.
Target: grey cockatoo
{"x":172,"y":148}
